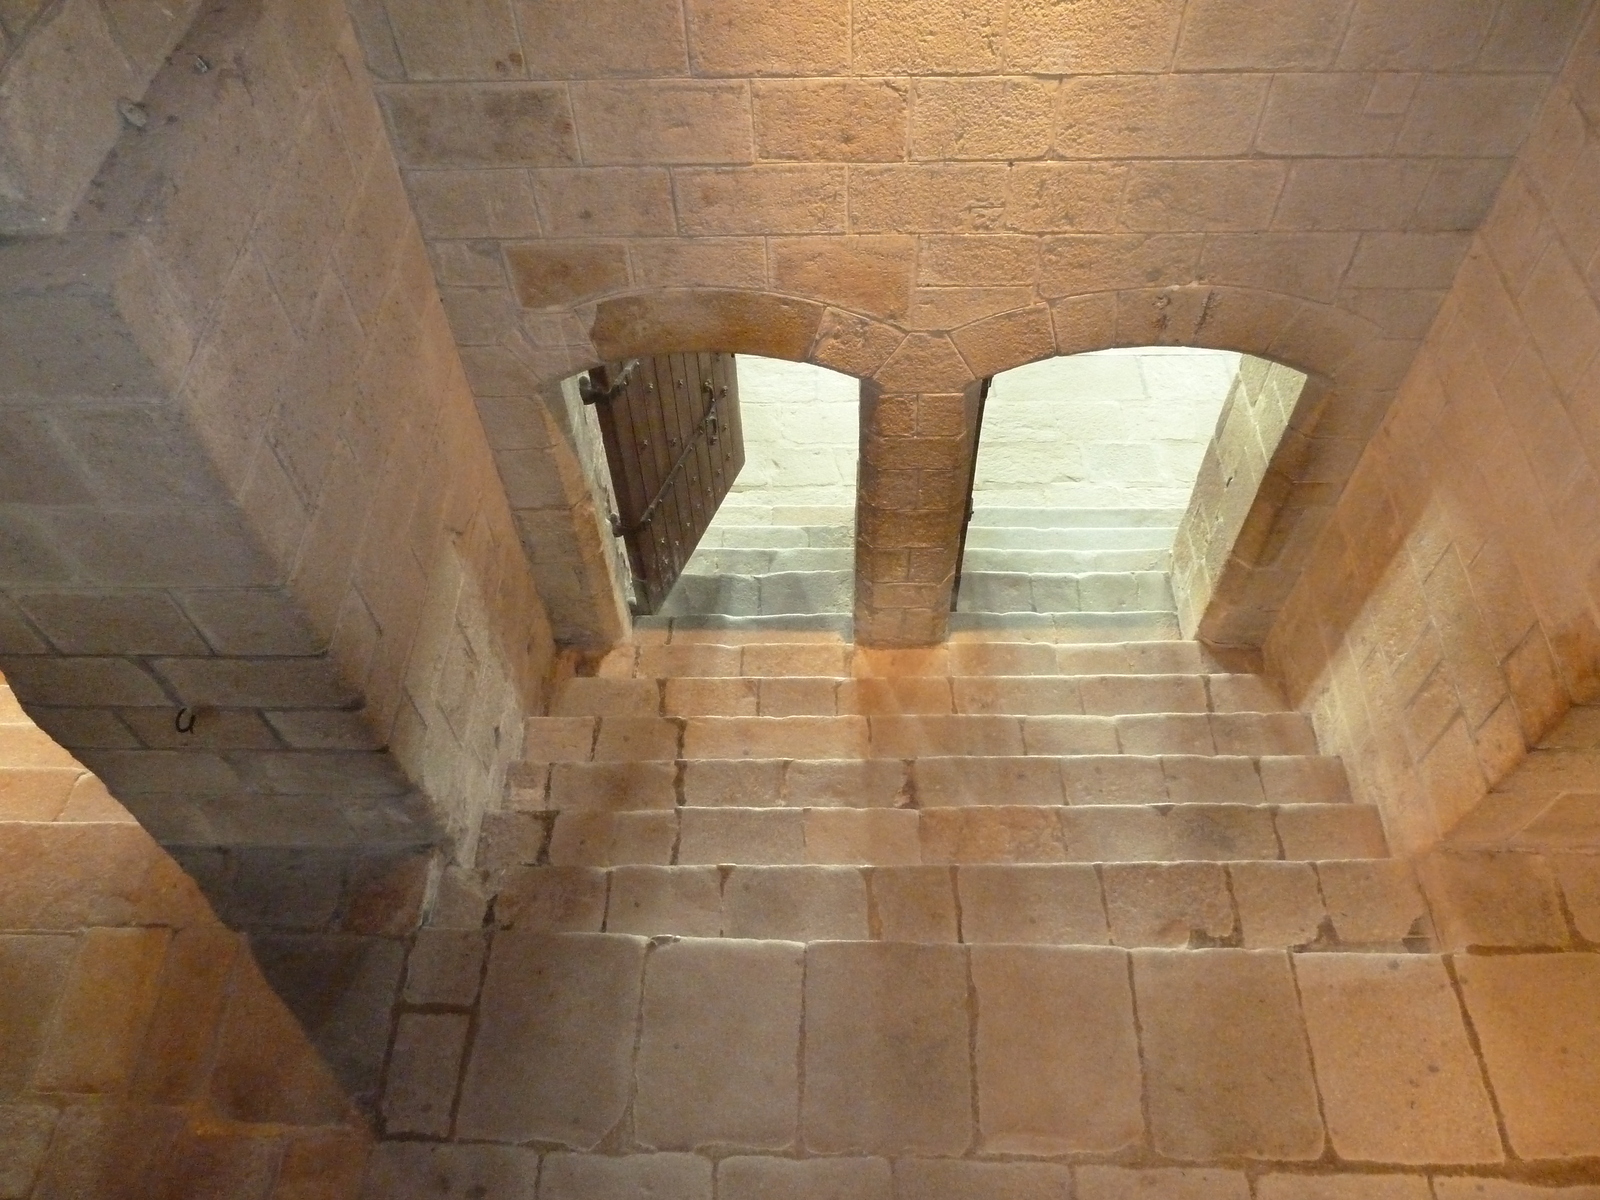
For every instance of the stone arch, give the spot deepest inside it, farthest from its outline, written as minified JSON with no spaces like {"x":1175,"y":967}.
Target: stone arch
{"x":919,"y":393}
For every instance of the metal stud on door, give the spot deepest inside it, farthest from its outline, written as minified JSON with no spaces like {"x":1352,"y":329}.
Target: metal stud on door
{"x":674,"y":446}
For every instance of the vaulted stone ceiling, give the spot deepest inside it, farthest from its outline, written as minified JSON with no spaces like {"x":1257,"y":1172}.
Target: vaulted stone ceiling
{"x":964,"y":186}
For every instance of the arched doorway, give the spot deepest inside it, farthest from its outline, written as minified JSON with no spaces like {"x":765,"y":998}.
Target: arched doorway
{"x":1085,"y":475}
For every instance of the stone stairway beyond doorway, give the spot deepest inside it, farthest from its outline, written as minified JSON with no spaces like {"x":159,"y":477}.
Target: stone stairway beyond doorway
{"x":999,"y":918}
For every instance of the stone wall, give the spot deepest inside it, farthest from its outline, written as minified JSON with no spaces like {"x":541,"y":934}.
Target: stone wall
{"x":1117,"y":429}
{"x":1234,"y":514}
{"x":802,"y":434}
{"x":1451,"y":610}
{"x":71,"y":76}
{"x":142,"y":1053}
{"x":961,"y":196}
{"x":258,"y":567}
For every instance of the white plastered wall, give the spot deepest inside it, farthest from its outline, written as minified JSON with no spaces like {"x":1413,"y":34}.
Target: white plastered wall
{"x":1114,"y":429}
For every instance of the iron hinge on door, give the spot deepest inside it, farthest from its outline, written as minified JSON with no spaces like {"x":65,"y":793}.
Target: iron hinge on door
{"x":604,"y":390}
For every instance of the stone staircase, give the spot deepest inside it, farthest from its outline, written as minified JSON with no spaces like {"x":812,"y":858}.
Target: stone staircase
{"x":1085,"y":575}
{"x":1079,"y":574}
{"x":791,"y":919}
{"x":768,"y":565}
{"x":1145,"y":784}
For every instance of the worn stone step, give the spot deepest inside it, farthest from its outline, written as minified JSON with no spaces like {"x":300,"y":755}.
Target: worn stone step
{"x":1006,"y":537}
{"x":985,"y":516}
{"x":770,"y":595}
{"x":907,"y":837}
{"x":1109,"y":592}
{"x":614,"y":739}
{"x":765,"y":536}
{"x":1087,"y":627}
{"x":736,"y":510}
{"x":759,"y":628}
{"x":675,"y":649}
{"x":858,"y":1068}
{"x":925,"y":1070}
{"x":1062,"y":562}
{"x":793,"y":696}
{"x":929,"y":782}
{"x":754,"y":561}
{"x":1329,"y":905}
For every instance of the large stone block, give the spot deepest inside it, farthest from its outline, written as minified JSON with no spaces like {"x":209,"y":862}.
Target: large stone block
{"x":831,"y":120}
{"x":480,"y":44}
{"x":870,"y":274}
{"x":1058,"y":39}
{"x":741,"y":1178}
{"x":983,"y":119}
{"x":58,"y":115}
{"x":1535,"y":1017}
{"x":1219,"y":34}
{"x":900,"y":1080}
{"x":481,"y":125}
{"x":552,"y":1056}
{"x":555,"y":274}
{"x":604,"y":1177}
{"x":762,"y":199}
{"x":1057,"y":1053}
{"x":573,"y":39}
{"x":719,"y":1048}
{"x":428,"y":1171}
{"x":474,"y":204}
{"x":705,"y":320}
{"x":901,"y":37}
{"x":1393,"y":1091}
{"x":928,"y":197}
{"x":1227,"y":1064}
{"x":729,"y":37}
{"x":606,"y":202}
{"x":1140,"y":116}
{"x":664,"y":122}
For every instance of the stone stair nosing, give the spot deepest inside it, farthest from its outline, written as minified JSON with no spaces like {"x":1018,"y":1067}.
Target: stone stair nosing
{"x":1344,"y":905}
{"x":829,"y":695}
{"x":579,"y":739}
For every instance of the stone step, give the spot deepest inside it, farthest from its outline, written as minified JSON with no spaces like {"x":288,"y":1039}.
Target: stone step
{"x":747,"y":560}
{"x":1329,"y":905}
{"x":1085,"y":627}
{"x":907,"y":837}
{"x":929,"y":782}
{"x":765,"y":651}
{"x":1110,"y":592}
{"x":827,"y":695}
{"x":759,"y":629}
{"x":1007,"y":537}
{"x":1060,"y":562}
{"x":777,"y":594}
{"x":764,"y":561}
{"x":985,"y":516}
{"x":774,"y":537}
{"x":935,"y":1071}
{"x":736,"y":510}
{"x":630,"y":739}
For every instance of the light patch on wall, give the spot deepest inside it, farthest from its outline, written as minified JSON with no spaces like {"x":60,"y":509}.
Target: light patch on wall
{"x":1113,"y":429}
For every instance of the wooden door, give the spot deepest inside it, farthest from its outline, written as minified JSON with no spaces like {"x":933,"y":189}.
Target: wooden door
{"x":674,"y":446}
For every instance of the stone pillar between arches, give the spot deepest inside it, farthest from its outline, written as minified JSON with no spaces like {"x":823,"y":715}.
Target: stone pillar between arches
{"x":916,"y":468}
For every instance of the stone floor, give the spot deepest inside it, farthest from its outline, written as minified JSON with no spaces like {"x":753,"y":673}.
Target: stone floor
{"x":1002,"y":919}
